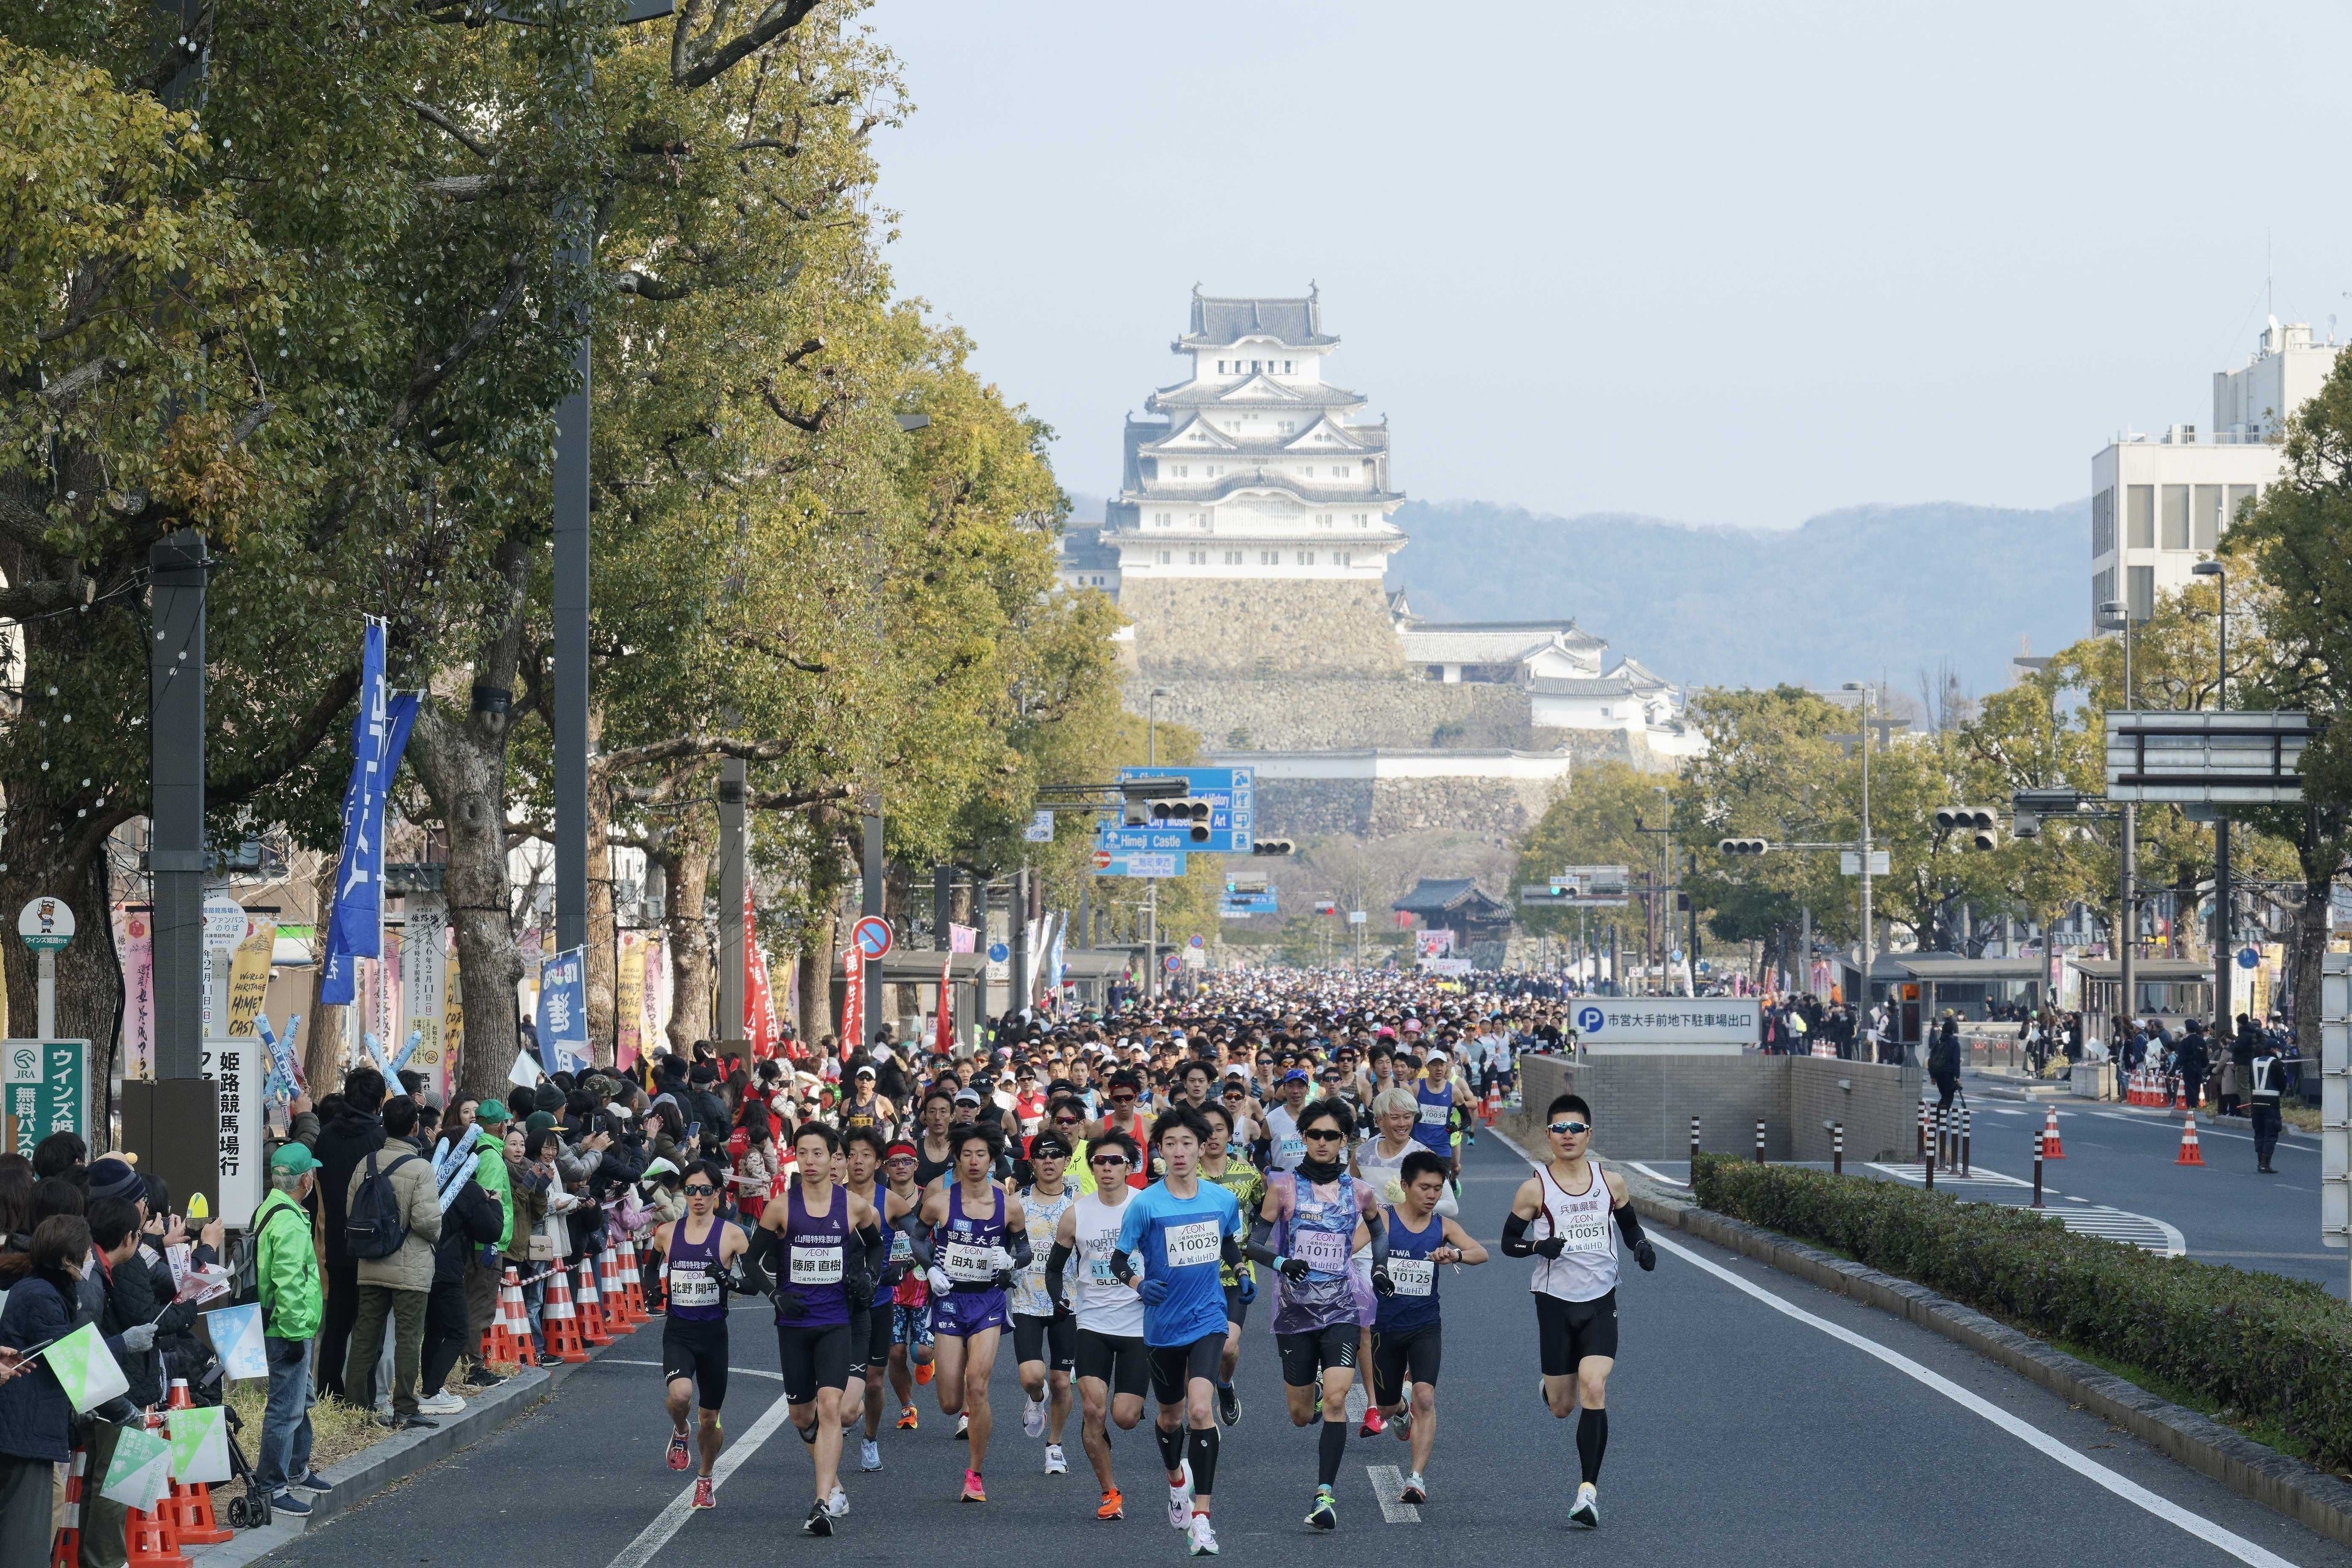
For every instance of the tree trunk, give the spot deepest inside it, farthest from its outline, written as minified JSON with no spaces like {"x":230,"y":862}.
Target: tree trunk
{"x":602,"y":968}
{"x":89,"y":977}
{"x":326,"y":1051}
{"x":2321,"y":857}
{"x":816,"y":957}
{"x":462,"y":762}
{"x":685,"y":858}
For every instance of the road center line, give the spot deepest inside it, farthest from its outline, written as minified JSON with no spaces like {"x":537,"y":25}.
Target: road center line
{"x":672,"y":1519}
{"x":1388,"y":1485}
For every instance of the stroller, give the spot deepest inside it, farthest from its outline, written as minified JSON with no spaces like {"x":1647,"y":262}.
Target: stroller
{"x":250,"y":1510}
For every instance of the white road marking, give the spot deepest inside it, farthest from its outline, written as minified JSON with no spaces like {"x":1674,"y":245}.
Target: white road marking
{"x":2203,"y":1129}
{"x":671,"y":1519}
{"x":1655,"y":1175}
{"x":2131,"y":1491}
{"x":2144,"y":1231}
{"x":740,"y":1371}
{"x":1388,"y":1485}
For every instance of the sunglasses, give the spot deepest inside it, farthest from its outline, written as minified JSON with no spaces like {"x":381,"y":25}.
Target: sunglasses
{"x":701,"y":1192}
{"x":1066,"y":1122}
{"x":1322,"y":1134}
{"x":1108,"y":1159}
{"x":1121,"y":1099}
{"x":1568,"y":1128}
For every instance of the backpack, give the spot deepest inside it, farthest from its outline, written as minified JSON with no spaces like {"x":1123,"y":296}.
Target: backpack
{"x":376,"y":1227}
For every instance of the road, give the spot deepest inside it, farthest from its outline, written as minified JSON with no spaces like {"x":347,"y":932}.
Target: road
{"x":1754,"y":1419}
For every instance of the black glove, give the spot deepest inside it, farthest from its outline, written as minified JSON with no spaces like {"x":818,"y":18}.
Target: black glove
{"x":1002,"y":1278}
{"x":857,"y":1291}
{"x":790,"y":1305}
{"x":1383,"y":1286}
{"x":1062,"y":1308}
{"x":1550,"y":1246}
{"x":1294,"y":1269}
{"x":892,"y":1275}
{"x":1646,"y":1254}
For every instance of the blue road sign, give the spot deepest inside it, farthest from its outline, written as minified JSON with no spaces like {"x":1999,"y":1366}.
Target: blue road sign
{"x":1238,"y":906}
{"x":1139,"y":863}
{"x":998,"y":952}
{"x":1231,"y":794}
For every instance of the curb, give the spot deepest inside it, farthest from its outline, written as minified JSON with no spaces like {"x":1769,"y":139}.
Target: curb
{"x":2312,"y":1498}
{"x":381,"y":1466}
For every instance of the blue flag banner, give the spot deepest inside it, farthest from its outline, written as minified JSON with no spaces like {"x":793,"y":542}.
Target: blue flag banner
{"x":563,"y":1011}
{"x":379,"y":735}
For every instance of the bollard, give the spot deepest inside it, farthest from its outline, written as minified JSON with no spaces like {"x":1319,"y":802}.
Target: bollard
{"x":1693,"y":1149}
{"x":1967,"y":1116}
{"x":2037,"y":1167}
{"x":1923,"y":1132}
{"x":1928,"y":1165}
{"x":1760,"y":1139}
{"x":1837,"y":1148}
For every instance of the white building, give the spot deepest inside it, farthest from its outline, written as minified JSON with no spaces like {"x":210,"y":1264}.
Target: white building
{"x":1253,"y":467}
{"x":2159,"y":501}
{"x":1558,"y":665}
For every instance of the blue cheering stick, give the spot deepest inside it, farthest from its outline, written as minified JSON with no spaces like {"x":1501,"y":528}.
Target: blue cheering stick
{"x":416,"y":1038}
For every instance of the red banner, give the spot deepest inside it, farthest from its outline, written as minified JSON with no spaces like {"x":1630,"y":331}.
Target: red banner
{"x":759,"y":1024}
{"x":943,"y":1041}
{"x":852,"y":997}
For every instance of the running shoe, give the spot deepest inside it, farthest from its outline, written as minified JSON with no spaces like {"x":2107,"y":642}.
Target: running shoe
{"x":1229,"y":1407}
{"x":963,"y":1426}
{"x":1179,"y":1499}
{"x":818,"y":1521}
{"x":1587,"y":1510}
{"x":704,"y":1496}
{"x":1402,"y":1424}
{"x":1113,"y":1505}
{"x":678,"y":1456}
{"x":808,"y":1433}
{"x":869,"y":1455}
{"x":1032,"y":1417}
{"x":972,"y":1490}
{"x":1055,"y":1465}
{"x":922,"y":1371}
{"x":1416,"y":1491}
{"x":1374,"y":1426}
{"x":836,"y":1502}
{"x":907,"y":1419}
{"x":1204,"y":1540}
{"x":1325,"y":1514}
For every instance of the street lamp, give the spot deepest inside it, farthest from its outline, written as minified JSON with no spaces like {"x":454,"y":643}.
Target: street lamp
{"x":2225,"y":895}
{"x":2115,"y":615}
{"x":1152,"y":884}
{"x":1862,"y":688}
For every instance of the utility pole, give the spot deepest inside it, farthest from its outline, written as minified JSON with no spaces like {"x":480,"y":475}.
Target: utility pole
{"x":870,"y":887}
{"x":2118,"y":613}
{"x":2224,"y":892}
{"x":734,"y":892}
{"x":178,"y":568}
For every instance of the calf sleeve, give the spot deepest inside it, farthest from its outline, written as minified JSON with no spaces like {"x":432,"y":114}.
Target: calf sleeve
{"x":1202,"y":1448}
{"x":1171,"y":1447}
{"x":1591,"y":1441}
{"x":1334,"y":1449}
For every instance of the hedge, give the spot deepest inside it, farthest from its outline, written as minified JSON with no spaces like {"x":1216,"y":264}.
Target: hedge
{"x":2261,"y":1345}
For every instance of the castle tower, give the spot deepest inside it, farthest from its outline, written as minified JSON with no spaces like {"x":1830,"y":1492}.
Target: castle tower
{"x":1253,"y":527}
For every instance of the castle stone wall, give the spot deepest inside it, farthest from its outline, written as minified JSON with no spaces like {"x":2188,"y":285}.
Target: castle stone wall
{"x":1306,"y":713}
{"x":1313,"y":808}
{"x":1247,"y":626}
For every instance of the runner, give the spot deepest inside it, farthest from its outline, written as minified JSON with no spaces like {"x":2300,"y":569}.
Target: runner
{"x":1405,"y":1335}
{"x":1312,"y":1221}
{"x":1575,"y":1282}
{"x":1282,"y":1122}
{"x":935,"y":1110}
{"x":911,"y":1312}
{"x":1112,"y":1361}
{"x":1220,"y":1164}
{"x":864,"y":1108}
{"x":1044,"y":1336}
{"x":969,"y":1237}
{"x":698,"y":1252}
{"x":825,"y":1244}
{"x":871,"y":1332}
{"x":1178,"y":1230}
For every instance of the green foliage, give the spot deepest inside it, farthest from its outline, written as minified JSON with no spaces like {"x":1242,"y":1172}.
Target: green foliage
{"x":2273,"y":1348}
{"x":1594,"y":824}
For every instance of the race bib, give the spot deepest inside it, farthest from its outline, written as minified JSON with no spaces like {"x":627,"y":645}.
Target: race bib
{"x":816,"y":1265}
{"x":1098,"y":1253}
{"x":1193,"y":1242}
{"x":697,"y":1289}
{"x":1586,"y":1236}
{"x":970,"y":1264}
{"x":1293,"y":1149}
{"x":1325,"y":1251}
{"x":902,"y":1247}
{"x":1434,"y":1115}
{"x":1412,"y":1276}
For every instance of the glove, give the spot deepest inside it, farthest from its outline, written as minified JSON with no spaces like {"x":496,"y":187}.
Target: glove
{"x":892,"y":1275}
{"x":139,"y":1337}
{"x":1153,"y":1291}
{"x":789,"y":1305}
{"x":1246,"y":1286}
{"x":939,"y":1282}
{"x":1550,"y":1246}
{"x":857,"y":1291}
{"x":1646,"y":1254}
{"x":1063,"y":1309}
{"x":1383,"y":1286}
{"x":1002,"y":1278}
{"x":1293,"y":1269}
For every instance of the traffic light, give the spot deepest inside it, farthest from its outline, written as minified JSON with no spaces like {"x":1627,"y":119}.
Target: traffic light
{"x":1981,"y":826}
{"x":1188,"y":812}
{"x":1744,"y":845}
{"x":1271,"y":847}
{"x":1136,"y":799}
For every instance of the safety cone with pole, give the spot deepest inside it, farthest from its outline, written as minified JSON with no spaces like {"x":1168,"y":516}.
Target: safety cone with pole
{"x":68,"y":1554}
{"x":152,"y":1538}
{"x":2052,"y":1149}
{"x":588,"y":1303}
{"x":191,"y":1503}
{"x":561,"y":1325}
{"x":613,"y":1291}
{"x":2190,"y":1154}
{"x":632,"y":1280}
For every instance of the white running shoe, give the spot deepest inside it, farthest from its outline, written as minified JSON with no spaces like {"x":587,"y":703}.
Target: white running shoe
{"x":1055,"y":1463}
{"x":869,"y":1455}
{"x":1415,"y":1491}
{"x":1587,"y":1510}
{"x":963,"y":1426}
{"x":1179,"y":1500}
{"x":441,"y":1403}
{"x":1032,"y":1417}
{"x":1204,"y":1540}
{"x":836,"y":1502}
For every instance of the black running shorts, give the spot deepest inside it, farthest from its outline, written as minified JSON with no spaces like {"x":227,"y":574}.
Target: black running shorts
{"x":1173,"y":1367}
{"x":1032,"y":1338}
{"x":879,"y":1319}
{"x":1118,"y":1362}
{"x":697,"y":1351}
{"x":1568,"y":1331}
{"x":1404,"y":1357}
{"x":1306,"y":1357}
{"x":812,"y":1359}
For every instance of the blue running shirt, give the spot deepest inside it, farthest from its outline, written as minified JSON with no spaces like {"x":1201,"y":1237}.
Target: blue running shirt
{"x":1180,"y":1240}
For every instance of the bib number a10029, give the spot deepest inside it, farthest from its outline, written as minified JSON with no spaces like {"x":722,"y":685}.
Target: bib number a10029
{"x":1194,"y":1242}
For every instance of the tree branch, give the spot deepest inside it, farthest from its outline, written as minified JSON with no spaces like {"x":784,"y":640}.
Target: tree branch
{"x":429,"y":378}
{"x":433,"y":116}
{"x":297,"y":741}
{"x":695,"y":63}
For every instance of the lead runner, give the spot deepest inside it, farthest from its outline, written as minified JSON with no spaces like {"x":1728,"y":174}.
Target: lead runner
{"x":1575,"y":1282}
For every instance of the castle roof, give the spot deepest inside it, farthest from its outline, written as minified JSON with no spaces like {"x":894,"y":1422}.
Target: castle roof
{"x":1451,"y":896}
{"x":1262,"y":479}
{"x":1083,"y":549}
{"x":1492,"y":642}
{"x":1257,"y":391}
{"x":1217,"y":321}
{"x":1208,"y":438}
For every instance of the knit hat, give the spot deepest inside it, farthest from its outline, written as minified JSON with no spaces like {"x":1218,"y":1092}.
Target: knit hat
{"x":113,"y":1179}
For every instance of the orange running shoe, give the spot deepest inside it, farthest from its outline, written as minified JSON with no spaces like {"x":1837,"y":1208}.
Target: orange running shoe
{"x":1113,"y":1506}
{"x":907,"y":1420}
{"x":922,"y":1371}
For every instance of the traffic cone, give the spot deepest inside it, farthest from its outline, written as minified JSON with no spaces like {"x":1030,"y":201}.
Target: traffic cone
{"x":153,"y":1541}
{"x":611,"y":1294}
{"x":562,"y":1326}
{"x":2051,"y":1147}
{"x":68,"y":1553}
{"x":190,"y":1505}
{"x":632,"y":1280}
{"x":518,"y":1320}
{"x":592,"y":1313}
{"x":2189,"y":1154}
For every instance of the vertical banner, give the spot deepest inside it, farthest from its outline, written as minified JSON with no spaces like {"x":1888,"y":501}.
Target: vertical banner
{"x":379,"y":735}
{"x":760,"y":1007}
{"x":453,"y":1022}
{"x":943,"y":1043}
{"x":563,"y":1012}
{"x":853,"y":993}
{"x":134,"y":939}
{"x":629,"y":1001}
{"x":963,"y":938}
{"x":384,"y":1015}
{"x":248,"y":971}
{"x":239,"y":1068}
{"x":657,"y":992}
{"x":423,"y":976}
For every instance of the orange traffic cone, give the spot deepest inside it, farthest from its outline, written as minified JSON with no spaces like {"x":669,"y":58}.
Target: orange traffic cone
{"x":152,"y":1539}
{"x":68,"y":1554}
{"x":2189,"y":1154}
{"x":2051,"y":1148}
{"x":190,"y":1505}
{"x":612,"y":1295}
{"x":561,"y":1323}
{"x":590,"y":1307}
{"x":633,"y":1281}
{"x":517,"y":1321}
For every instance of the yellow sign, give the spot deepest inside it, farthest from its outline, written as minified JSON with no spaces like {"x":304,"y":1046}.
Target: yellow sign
{"x":248,"y":971}
{"x":453,"y":1022}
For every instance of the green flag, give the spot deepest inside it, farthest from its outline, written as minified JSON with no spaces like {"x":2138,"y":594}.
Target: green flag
{"x":86,"y":1368}
{"x":199,"y":1444}
{"x":141,"y":1473}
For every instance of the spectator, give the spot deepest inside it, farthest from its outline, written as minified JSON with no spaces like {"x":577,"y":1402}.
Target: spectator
{"x":286,"y":1272}
{"x":352,"y":1131}
{"x":42,"y":1284}
{"x":484,"y":1269}
{"x":396,"y":1285}
{"x":472,"y":1220}
{"x":114,"y":1237}
{"x":2195,"y":1063}
{"x":59,"y":1154}
{"x":1944,"y":1061}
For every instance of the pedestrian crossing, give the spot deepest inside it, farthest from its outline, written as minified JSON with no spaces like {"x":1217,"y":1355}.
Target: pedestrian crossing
{"x":1981,"y":1185}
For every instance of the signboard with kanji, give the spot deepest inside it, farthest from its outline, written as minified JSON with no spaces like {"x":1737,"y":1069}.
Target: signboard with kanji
{"x":238,"y":1066}
{"x":47,"y":1083}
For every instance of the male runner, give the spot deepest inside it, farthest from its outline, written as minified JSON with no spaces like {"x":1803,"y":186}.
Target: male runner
{"x":1112,"y":1361}
{"x":1044,"y":1336}
{"x":1282,"y":1122}
{"x":911,"y":1312}
{"x":1171,"y":1240}
{"x":864,"y":1108}
{"x":1405,"y":1335}
{"x":696,"y":1253}
{"x":825,"y":1244}
{"x":969,"y":1237}
{"x":932,"y":1158}
{"x":1221,"y":1165}
{"x":871,"y":1332}
{"x":1575,"y":1282}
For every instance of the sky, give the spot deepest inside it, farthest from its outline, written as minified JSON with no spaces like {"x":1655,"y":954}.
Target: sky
{"x":1713,"y":263}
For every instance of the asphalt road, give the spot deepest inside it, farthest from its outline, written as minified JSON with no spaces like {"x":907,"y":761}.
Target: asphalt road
{"x":1755,"y":1419}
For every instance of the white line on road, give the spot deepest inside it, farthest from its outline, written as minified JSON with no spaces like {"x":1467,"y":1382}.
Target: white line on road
{"x":741,"y":1371}
{"x":1388,"y":1485}
{"x":2131,"y":1491}
{"x":2203,"y":1129}
{"x":1655,"y":1175}
{"x":672,"y":1519}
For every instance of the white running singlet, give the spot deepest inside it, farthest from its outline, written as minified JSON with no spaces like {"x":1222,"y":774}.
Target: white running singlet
{"x":1587,"y":1270}
{"x":1104,"y":1305}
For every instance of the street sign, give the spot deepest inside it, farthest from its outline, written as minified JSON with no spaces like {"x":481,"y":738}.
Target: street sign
{"x":45,"y":924}
{"x":872,"y":935}
{"x":1673,"y":1025}
{"x":1102,"y":859}
{"x":224,"y":920}
{"x":47,"y":1083}
{"x":1850,"y":862}
{"x":1197,"y":941}
{"x":1152,"y":841}
{"x":1138,"y":865}
{"x":1170,"y":963}
{"x":2214,"y":759}
{"x":1231,"y":794}
{"x":2249,"y":958}
{"x":1040,"y":829}
{"x":1356,"y":917}
{"x":238,"y":1068}
{"x":998,"y":952}
{"x":1236,"y":906}
{"x":1544,"y":895}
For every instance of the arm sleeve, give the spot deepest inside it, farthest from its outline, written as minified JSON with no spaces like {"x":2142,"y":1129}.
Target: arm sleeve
{"x":1377,"y":1225}
{"x":1261,"y":1242}
{"x":1514,"y":1237}
{"x":1016,"y":1242}
{"x":877,"y":1250}
{"x":1056,"y":1285}
{"x":1629,"y":1223}
{"x":764,"y":1245}
{"x":919,"y":1236}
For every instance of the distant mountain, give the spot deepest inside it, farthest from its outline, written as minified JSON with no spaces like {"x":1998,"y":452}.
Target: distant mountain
{"x":1870,"y":592}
